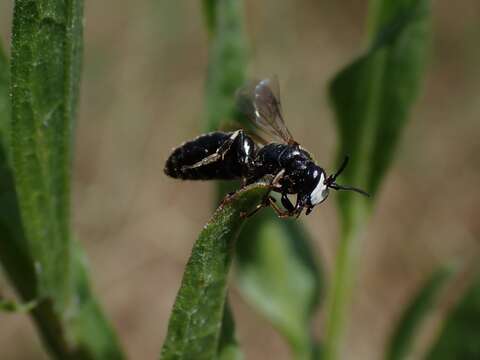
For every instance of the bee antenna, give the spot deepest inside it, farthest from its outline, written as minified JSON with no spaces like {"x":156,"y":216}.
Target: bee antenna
{"x":336,"y":186}
{"x":331,"y":179}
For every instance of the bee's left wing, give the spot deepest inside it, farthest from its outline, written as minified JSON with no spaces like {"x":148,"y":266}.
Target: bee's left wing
{"x":260,"y":103}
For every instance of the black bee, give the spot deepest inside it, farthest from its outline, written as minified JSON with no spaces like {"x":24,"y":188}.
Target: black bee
{"x":235,"y":155}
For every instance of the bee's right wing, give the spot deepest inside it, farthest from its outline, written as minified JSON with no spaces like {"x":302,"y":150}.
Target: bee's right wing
{"x":260,"y":103}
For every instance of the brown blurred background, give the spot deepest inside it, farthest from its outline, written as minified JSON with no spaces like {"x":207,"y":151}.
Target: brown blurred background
{"x":142,"y":94}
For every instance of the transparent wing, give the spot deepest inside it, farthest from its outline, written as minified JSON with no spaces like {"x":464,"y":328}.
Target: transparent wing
{"x":260,"y":103}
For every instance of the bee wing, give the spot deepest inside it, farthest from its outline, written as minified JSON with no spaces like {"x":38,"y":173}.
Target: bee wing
{"x":260,"y":103}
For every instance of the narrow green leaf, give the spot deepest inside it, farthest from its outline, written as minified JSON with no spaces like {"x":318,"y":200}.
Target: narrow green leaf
{"x":459,"y":337}
{"x":228,"y":348}
{"x":278,"y":275}
{"x":45,"y":65}
{"x":36,"y":249}
{"x":402,"y":340}
{"x":14,"y":255}
{"x":88,"y":331}
{"x":372,"y":98}
{"x":195,"y":323}
{"x":4,"y":99}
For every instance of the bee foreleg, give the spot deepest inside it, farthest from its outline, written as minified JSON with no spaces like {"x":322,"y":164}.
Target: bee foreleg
{"x":270,"y":201}
{"x":264,"y":203}
{"x":287,"y":203}
{"x":280,"y":213}
{"x":276,"y":180}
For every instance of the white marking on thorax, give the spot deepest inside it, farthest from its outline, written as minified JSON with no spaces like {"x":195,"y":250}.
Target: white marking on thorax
{"x":246,"y":147}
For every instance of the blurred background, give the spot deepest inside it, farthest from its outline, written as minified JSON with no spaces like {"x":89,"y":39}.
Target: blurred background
{"x":142,"y":94}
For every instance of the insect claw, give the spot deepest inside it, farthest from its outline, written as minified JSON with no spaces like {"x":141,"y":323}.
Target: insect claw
{"x":227,"y":198}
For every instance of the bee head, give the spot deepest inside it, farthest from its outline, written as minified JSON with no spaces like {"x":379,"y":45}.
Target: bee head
{"x":319,"y":188}
{"x":322,"y":184}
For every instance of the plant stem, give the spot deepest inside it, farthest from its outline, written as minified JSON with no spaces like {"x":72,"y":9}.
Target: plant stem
{"x":343,"y":282}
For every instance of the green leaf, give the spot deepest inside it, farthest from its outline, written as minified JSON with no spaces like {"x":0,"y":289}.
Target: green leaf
{"x":88,"y":331}
{"x":372,"y":98}
{"x":278,"y":276}
{"x":36,"y":249}
{"x":459,"y":337}
{"x":402,"y":340}
{"x":228,"y":348}
{"x":195,"y":323}
{"x":4,"y":99}
{"x":14,"y":254}
{"x":45,"y":65}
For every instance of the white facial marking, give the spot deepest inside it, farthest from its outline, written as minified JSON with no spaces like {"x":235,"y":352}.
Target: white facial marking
{"x":320,"y":192}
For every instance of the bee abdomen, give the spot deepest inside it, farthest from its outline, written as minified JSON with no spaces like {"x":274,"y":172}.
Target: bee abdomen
{"x":191,"y":152}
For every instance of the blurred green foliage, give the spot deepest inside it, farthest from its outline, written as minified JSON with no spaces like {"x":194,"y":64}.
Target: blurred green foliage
{"x":227,"y":60}
{"x":459,"y":336}
{"x":403,"y":338}
{"x":372,"y":98}
{"x":279,"y":277}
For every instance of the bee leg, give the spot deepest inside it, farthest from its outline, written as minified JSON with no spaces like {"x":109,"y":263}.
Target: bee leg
{"x":282,"y":214}
{"x":299,"y":211}
{"x":217,"y":155}
{"x":299,"y":206}
{"x":263,"y":204}
{"x":268,"y":200}
{"x":275,"y":183}
{"x":227,"y":198}
{"x":287,"y":203}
